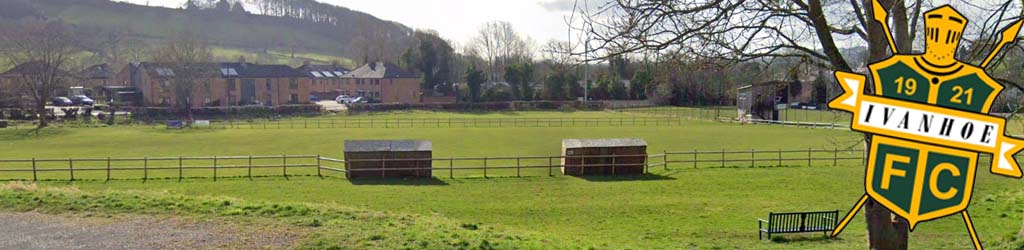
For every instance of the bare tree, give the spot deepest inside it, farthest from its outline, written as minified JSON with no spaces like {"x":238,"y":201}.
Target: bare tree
{"x":500,"y":45}
{"x":758,"y":30}
{"x":41,"y":53}
{"x":189,"y":59}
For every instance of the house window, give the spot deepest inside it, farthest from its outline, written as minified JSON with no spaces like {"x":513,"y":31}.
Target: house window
{"x":268,"y":84}
{"x":376,"y":82}
{"x":206,"y":101}
{"x":293,"y":98}
{"x":293,"y":84}
{"x":231,"y":85}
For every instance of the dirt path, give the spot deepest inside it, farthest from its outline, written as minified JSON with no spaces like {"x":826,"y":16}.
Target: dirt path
{"x":44,"y":231}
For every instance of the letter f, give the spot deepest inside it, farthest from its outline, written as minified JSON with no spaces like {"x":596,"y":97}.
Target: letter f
{"x":889,"y":171}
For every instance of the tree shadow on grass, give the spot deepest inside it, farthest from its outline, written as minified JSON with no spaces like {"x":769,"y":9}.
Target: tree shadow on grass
{"x":615,"y":178}
{"x":432,"y":181}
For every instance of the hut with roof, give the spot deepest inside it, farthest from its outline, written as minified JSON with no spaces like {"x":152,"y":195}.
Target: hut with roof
{"x":626,"y":156}
{"x":388,"y":159}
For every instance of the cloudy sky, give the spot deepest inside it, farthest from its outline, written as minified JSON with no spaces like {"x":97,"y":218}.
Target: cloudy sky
{"x":458,"y":20}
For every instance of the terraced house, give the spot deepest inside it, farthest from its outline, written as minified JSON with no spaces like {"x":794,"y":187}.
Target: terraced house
{"x":384,"y":82}
{"x":224,"y":84}
{"x":326,"y":79}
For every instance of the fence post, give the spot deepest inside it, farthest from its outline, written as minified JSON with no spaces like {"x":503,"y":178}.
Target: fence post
{"x":35,"y":176}
{"x":145,"y":168}
{"x":723,"y":158}
{"x":664,"y":158}
{"x":751,"y":157}
{"x":179,"y":169}
{"x":835,"y":157}
{"x":780,"y":157}
{"x":318,"y":167}
{"x":451,"y":167}
{"x":215,"y":168}
{"x":250,"y":167}
{"x":808,"y":157}
{"x":108,"y":169}
{"x":485,"y":167}
{"x":284,"y":165}
{"x":517,"y":168}
{"x":695,"y":158}
{"x":551,"y":167}
{"x":71,"y":168}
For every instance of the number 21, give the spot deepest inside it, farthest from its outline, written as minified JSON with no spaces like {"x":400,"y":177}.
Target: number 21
{"x":960,"y":92}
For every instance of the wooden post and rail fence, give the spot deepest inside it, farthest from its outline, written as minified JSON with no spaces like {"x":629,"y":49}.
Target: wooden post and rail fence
{"x":219,"y":167}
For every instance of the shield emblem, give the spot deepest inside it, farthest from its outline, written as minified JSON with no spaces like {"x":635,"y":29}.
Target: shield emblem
{"x":919,"y":182}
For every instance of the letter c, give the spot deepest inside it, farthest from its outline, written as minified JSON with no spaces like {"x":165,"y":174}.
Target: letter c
{"x":933,"y":181}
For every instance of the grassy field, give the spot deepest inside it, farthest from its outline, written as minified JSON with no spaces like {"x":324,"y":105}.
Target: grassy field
{"x":709,"y":207}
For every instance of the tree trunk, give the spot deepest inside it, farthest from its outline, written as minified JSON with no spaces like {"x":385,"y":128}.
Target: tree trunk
{"x":885,"y":231}
{"x":41,"y":111}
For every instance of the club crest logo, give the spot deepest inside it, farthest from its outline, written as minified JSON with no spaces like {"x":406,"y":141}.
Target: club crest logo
{"x":930,"y":123}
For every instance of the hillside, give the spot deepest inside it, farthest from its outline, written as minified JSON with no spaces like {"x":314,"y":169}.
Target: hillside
{"x":354,"y":35}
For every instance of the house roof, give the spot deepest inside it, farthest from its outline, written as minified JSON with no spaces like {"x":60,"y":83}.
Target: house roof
{"x":250,"y":70}
{"x":323,"y":71}
{"x":225,"y":70}
{"x":603,"y":143}
{"x":33,"y":67}
{"x":98,"y":71}
{"x":380,"y":70}
{"x":387,"y":145}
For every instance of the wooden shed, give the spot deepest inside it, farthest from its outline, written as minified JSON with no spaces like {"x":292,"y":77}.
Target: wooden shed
{"x":604,"y":156}
{"x":388,"y":158}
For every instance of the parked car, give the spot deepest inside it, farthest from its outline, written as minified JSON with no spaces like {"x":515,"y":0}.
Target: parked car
{"x":343,"y":99}
{"x":61,"y":101}
{"x":82,"y":100}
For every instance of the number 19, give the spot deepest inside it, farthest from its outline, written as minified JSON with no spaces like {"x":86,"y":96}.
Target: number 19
{"x":910,"y":85}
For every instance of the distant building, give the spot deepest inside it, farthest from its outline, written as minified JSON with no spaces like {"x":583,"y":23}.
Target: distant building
{"x":326,"y":80}
{"x":96,"y":76}
{"x":384,"y":82}
{"x":11,"y":82}
{"x":227,"y":84}
{"x":764,"y":101}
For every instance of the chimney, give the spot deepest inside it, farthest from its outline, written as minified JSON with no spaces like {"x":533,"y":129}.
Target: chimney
{"x":373,"y":66}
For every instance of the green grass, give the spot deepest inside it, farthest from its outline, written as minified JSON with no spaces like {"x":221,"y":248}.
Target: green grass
{"x":336,"y":227}
{"x":682,"y":207}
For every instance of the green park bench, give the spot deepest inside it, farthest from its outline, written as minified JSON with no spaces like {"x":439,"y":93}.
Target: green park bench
{"x":798,"y":222}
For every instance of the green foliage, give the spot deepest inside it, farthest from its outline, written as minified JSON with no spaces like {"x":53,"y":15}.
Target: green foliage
{"x":618,"y":91}
{"x":520,"y":77}
{"x":603,"y":89}
{"x":638,"y":86}
{"x":475,"y":79}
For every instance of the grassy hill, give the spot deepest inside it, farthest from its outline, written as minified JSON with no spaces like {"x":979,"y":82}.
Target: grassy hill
{"x":265,"y":39}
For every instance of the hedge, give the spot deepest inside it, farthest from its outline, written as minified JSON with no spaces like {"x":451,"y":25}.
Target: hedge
{"x":162,"y":113}
{"x":482,"y":106}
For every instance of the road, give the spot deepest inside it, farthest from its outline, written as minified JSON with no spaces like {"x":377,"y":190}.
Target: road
{"x":332,"y":106}
{"x":43,"y":231}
